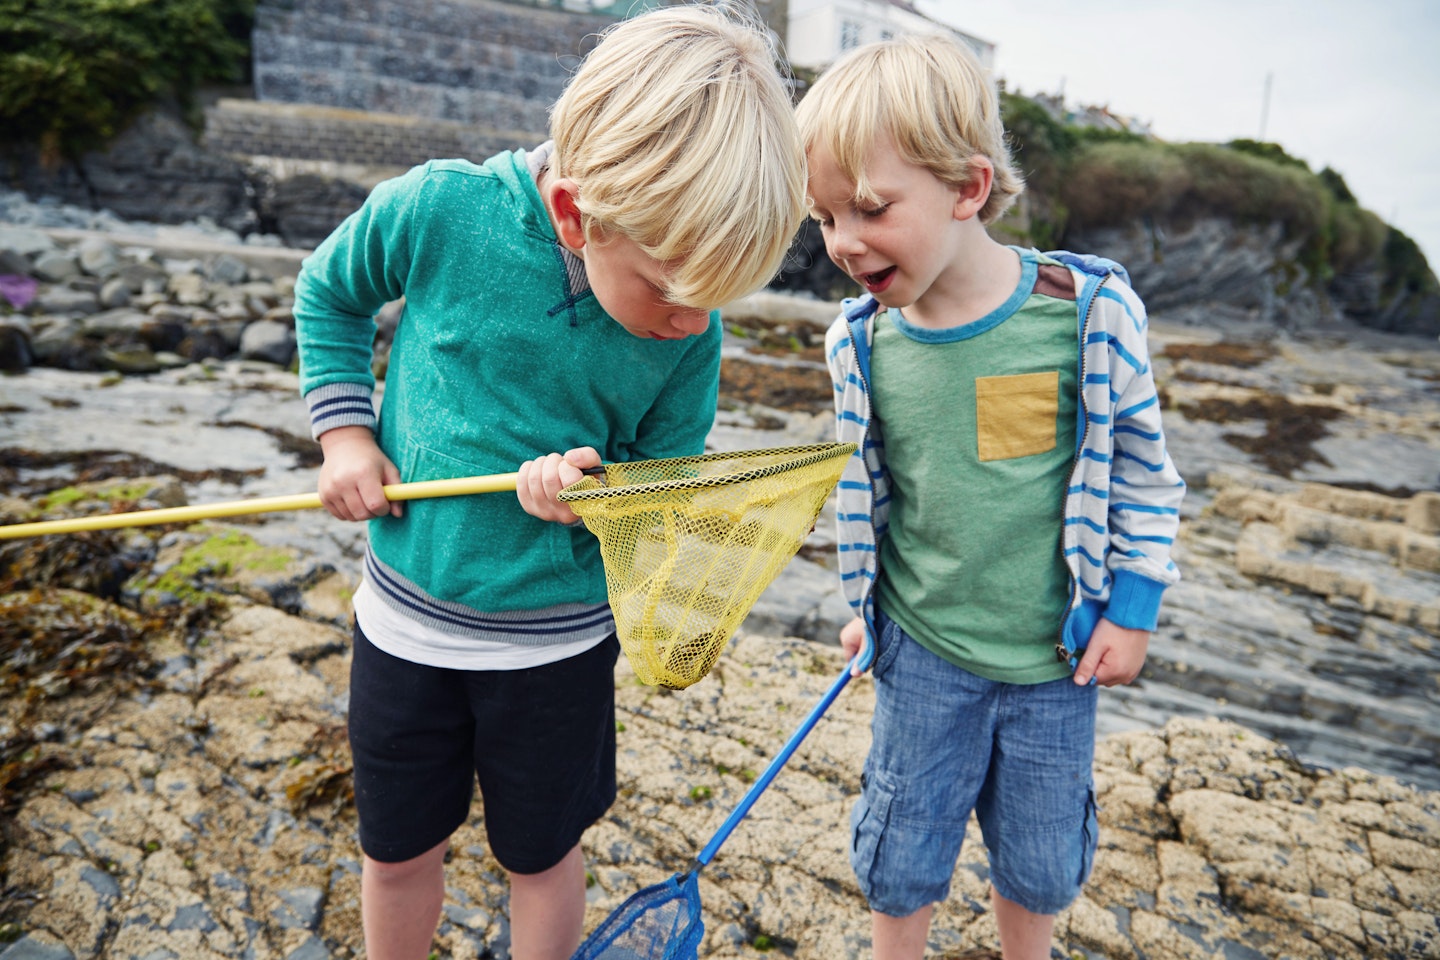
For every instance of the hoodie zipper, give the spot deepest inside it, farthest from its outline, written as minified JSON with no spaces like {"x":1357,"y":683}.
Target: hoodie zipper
{"x":1061,"y":653}
{"x":866,"y":603}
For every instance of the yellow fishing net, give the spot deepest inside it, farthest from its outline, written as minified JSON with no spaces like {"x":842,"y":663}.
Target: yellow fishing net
{"x":689,"y":544}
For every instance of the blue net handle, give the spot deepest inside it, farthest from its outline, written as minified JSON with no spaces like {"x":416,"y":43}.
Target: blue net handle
{"x":858,"y":664}
{"x":663,"y":921}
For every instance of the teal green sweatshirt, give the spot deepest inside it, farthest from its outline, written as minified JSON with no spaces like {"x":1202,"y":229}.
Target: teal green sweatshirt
{"x":502,"y":353}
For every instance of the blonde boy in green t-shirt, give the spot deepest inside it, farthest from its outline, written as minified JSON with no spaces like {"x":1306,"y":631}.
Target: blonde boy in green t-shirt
{"x":1011,"y":504}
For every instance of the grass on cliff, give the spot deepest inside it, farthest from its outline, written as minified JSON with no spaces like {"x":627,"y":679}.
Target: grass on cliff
{"x":1080,"y":178}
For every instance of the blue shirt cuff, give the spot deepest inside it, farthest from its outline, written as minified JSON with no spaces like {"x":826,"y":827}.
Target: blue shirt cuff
{"x":1134,"y":601}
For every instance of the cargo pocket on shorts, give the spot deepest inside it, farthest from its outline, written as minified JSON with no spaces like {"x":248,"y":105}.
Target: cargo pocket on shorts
{"x":1089,"y":836}
{"x":867,"y":828}
{"x":1016,"y":416}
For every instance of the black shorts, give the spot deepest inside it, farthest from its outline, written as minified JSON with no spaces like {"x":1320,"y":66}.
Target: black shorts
{"x":542,"y":741}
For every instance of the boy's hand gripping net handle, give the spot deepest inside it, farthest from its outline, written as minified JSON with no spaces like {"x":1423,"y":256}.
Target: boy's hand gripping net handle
{"x":493,"y":483}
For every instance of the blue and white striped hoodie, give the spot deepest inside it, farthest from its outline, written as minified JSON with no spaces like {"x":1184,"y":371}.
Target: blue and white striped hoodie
{"x":1122,"y":508}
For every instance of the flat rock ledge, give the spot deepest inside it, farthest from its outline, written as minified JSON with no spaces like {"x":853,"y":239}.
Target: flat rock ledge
{"x":206,"y":818}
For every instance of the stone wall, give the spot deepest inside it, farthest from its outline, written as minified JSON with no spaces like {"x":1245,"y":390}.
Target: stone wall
{"x":304,"y":132}
{"x":472,"y":62}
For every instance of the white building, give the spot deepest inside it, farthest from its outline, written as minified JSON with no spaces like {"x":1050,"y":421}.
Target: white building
{"x":821,"y":30}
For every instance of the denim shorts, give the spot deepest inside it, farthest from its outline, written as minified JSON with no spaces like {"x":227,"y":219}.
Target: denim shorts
{"x":541,"y":742}
{"x":947,"y":742}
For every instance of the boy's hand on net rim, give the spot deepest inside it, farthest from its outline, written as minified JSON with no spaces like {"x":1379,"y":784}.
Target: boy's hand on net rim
{"x":354,"y":474}
{"x":544,"y":477}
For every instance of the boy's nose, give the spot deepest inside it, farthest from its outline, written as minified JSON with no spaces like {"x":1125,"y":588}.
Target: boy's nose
{"x":691,"y":322}
{"x":845,"y":242}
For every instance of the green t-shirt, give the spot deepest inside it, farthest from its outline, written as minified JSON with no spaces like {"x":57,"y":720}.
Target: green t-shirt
{"x":979,"y":428}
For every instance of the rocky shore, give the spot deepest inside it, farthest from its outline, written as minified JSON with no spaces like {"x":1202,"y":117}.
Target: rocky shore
{"x":84,"y":300}
{"x":204,"y":816}
{"x":173,"y":772}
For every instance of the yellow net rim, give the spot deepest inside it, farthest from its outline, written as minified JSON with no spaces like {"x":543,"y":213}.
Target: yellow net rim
{"x":794,"y":458}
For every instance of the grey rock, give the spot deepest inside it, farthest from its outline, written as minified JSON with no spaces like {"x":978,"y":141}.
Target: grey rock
{"x":275,"y":823}
{"x":115,"y":293}
{"x":173,"y":312}
{"x":471,"y":918}
{"x":180,"y":264}
{"x":55,"y":338}
{"x":121,"y":322}
{"x":133,"y":359}
{"x":188,"y":288}
{"x":153,"y":171}
{"x":300,"y":907}
{"x":107,"y":891}
{"x":143,"y":276}
{"x":263,"y":290}
{"x":282,"y":313}
{"x":98,"y":257}
{"x":234,"y":888}
{"x":65,"y":300}
{"x":1212,"y":265}
{"x":194,"y":916}
{"x":16,"y":353}
{"x":14,"y":264}
{"x":205,"y":342}
{"x":26,"y":241}
{"x":55,"y":266}
{"x":235,"y":311}
{"x":30,"y":948}
{"x":268,"y":340}
{"x":311,"y":949}
{"x":162,"y":335}
{"x":227,"y":271}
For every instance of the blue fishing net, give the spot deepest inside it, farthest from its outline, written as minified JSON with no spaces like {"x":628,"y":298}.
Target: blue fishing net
{"x":661,"y":922}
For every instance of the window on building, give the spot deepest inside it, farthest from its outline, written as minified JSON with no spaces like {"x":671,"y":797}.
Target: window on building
{"x":849,"y":34}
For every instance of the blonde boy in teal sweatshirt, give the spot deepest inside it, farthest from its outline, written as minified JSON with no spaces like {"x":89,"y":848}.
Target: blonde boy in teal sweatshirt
{"x":559,"y":299}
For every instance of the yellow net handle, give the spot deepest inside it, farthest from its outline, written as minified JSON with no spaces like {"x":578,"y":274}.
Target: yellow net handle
{"x":494,"y":483}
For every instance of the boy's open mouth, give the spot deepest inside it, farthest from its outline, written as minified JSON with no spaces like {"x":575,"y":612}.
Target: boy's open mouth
{"x":878,"y":278}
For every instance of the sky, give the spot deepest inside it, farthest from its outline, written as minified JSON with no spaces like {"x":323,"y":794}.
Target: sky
{"x":1352,"y":86}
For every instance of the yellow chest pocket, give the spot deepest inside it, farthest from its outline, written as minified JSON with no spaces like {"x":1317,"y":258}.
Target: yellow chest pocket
{"x":1016,"y":416}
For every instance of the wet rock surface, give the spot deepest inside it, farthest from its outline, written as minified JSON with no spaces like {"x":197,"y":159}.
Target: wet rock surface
{"x":207,"y":816}
{"x":174,"y":775}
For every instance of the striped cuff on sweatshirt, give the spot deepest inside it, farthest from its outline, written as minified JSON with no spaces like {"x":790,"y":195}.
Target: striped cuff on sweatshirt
{"x":340,"y":405}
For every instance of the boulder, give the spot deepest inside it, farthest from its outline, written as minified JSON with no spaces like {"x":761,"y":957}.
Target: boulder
{"x":153,"y":171}
{"x":268,"y":340}
{"x":15,"y":351}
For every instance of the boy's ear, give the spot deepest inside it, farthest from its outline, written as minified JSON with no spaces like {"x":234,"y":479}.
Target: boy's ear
{"x":560,"y":195}
{"x":971,"y":198}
